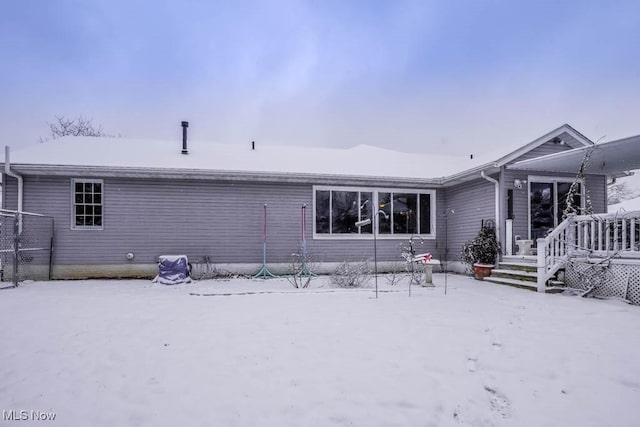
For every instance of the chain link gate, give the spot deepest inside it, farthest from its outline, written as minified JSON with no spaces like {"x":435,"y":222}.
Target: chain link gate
{"x":26,"y":247}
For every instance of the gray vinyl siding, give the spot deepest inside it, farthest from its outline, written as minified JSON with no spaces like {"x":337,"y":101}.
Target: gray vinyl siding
{"x":221,"y":220}
{"x":543,"y":150}
{"x":9,"y":192}
{"x":472,"y":202}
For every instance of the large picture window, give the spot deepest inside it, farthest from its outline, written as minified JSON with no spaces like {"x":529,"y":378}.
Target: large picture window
{"x":87,"y":202}
{"x":400,"y":212}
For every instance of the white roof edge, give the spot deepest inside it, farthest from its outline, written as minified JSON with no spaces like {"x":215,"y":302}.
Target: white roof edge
{"x":569,"y":153}
{"x":138,"y":172}
{"x":468,"y":174}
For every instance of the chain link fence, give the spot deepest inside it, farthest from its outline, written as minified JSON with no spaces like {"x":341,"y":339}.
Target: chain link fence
{"x":26,"y":247}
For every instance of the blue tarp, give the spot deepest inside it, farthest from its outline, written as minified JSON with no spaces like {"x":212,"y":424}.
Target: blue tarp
{"x":173,"y":270}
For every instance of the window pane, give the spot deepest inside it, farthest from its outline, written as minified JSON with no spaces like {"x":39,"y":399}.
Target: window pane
{"x":563,"y":192}
{"x":344,"y":212}
{"x":384,"y":220}
{"x":322,"y":211}
{"x":366,"y":205}
{"x":404,"y":213}
{"x":425,"y":213}
{"x":542,"y":214}
{"x":87,"y":204}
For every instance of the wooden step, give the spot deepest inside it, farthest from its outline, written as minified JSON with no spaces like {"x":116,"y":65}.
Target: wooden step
{"x":520,"y":258}
{"x":523,"y":275}
{"x":514,"y":265}
{"x":512,"y":282}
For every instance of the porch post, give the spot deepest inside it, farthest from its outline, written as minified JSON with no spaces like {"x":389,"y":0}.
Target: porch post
{"x":509,"y":236}
{"x":541,"y":265}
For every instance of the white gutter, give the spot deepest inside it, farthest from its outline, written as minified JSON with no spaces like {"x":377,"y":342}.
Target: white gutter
{"x":8,"y":171}
{"x":496,"y":185}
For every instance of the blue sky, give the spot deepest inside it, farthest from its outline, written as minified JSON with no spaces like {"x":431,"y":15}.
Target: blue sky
{"x":412,"y":75}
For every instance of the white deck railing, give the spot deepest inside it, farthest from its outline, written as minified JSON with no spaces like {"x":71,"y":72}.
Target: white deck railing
{"x":614,"y":235}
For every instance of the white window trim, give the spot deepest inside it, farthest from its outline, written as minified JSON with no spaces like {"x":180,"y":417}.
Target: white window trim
{"x":375,"y":191}
{"x":73,"y":211}
{"x":550,"y":180}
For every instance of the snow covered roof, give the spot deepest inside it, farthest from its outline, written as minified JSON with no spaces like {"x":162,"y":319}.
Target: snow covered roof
{"x":361,"y":160}
{"x":136,"y":157}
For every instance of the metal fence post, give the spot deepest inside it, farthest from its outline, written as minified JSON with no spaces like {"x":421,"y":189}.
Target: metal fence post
{"x":16,"y":249}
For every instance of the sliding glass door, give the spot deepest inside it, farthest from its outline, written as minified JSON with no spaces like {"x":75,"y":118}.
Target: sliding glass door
{"x":548,"y":199}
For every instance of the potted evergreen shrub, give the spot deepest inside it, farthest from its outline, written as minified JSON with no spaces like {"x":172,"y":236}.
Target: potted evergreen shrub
{"x":482,"y":252}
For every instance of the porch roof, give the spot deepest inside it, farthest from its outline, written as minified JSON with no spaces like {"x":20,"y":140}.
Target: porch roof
{"x":610,"y":158}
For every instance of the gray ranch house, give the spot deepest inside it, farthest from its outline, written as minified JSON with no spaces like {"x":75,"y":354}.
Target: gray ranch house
{"x":118,"y":204}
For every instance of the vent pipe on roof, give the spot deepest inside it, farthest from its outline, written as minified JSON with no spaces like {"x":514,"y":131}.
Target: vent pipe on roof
{"x":185,"y":125}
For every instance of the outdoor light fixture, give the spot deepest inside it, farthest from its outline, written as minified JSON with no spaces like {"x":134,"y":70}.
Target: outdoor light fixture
{"x":518,"y":183}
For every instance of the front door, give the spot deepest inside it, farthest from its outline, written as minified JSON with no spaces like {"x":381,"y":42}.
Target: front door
{"x":547,"y":203}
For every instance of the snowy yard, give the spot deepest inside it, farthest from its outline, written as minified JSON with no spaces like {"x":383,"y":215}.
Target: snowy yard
{"x":104,"y":353}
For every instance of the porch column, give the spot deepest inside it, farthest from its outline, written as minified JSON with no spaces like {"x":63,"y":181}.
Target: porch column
{"x":541,"y":265}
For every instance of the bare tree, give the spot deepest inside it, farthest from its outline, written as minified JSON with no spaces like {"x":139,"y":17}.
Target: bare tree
{"x":619,"y":191}
{"x":578,"y":183}
{"x":78,"y":126}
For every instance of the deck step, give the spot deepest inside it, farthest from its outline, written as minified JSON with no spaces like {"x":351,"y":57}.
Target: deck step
{"x":522,"y":284}
{"x":514,"y":274}
{"x":532,"y":259}
{"x":515,"y":265}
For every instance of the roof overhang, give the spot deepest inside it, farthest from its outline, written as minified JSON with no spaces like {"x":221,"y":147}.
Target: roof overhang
{"x":607,"y":158}
{"x":220,"y":175}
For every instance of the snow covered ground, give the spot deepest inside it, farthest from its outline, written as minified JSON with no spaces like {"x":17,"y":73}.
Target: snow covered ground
{"x":260,"y":353}
{"x":628,"y":190}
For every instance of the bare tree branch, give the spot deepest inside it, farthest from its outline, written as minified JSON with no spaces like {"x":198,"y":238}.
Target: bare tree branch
{"x":78,"y":126}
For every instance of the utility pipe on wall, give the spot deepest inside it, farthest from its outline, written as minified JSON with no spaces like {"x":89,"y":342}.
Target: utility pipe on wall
{"x":497,"y":200}
{"x":8,"y":171}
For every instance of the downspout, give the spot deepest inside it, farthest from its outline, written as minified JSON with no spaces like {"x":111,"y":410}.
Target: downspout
{"x":496,"y":185}
{"x":8,"y":171}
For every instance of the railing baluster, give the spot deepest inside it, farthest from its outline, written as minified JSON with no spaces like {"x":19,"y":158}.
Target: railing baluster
{"x":599,"y":234}
{"x":624,"y":235}
{"x":632,"y":235}
{"x":615,"y":235}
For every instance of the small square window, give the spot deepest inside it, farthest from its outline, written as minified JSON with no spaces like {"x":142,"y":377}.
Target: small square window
{"x":87,"y":204}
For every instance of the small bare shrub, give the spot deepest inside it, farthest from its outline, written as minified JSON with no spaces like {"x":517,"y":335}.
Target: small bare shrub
{"x":301,"y":270}
{"x":352,"y":274}
{"x":394,"y":276}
